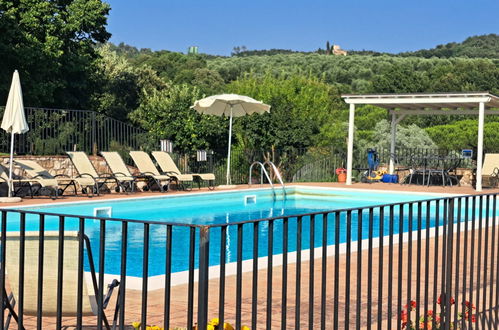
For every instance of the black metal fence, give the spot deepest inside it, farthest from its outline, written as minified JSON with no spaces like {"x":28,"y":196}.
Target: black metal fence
{"x":55,"y":131}
{"x":422,"y":264}
{"x":314,"y":164}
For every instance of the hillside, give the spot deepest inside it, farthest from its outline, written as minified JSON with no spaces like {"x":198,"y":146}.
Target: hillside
{"x":370,"y":74}
{"x":485,"y":46}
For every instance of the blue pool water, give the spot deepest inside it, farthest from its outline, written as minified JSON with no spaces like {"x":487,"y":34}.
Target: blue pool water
{"x":219,"y":208}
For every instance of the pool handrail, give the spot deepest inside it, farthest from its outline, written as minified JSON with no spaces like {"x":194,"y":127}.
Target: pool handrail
{"x":278,"y":175}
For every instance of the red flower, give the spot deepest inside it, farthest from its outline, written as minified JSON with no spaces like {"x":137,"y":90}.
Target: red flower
{"x":403,"y":316}
{"x":473,"y":318}
{"x":439,"y":300}
{"x":429,"y":313}
{"x":340,"y":170}
{"x":469,"y":305}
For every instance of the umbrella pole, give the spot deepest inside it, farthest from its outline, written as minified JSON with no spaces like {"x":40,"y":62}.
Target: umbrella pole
{"x":10,"y":163}
{"x":230,"y":141}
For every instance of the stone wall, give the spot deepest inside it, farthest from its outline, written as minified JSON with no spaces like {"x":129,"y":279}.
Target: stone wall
{"x":59,"y":165}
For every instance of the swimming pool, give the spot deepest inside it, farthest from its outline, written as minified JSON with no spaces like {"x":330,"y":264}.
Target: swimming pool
{"x":219,"y":208}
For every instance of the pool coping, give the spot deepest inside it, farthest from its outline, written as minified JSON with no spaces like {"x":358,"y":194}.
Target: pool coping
{"x":433,"y":194}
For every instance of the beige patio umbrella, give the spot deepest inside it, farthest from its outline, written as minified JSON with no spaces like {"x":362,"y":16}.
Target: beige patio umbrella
{"x":14,"y":120}
{"x":230,"y":105}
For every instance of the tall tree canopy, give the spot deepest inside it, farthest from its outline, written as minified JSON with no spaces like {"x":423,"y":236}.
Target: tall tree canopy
{"x":51,"y":43}
{"x":300,"y":106}
{"x":167,"y":114}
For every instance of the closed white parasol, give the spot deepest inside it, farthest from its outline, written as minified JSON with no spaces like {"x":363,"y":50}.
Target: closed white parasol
{"x":14,"y":120}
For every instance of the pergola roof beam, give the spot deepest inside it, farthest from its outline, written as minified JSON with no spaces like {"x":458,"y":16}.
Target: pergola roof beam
{"x":440,"y":100}
{"x":442,"y":112}
{"x":426,"y":101}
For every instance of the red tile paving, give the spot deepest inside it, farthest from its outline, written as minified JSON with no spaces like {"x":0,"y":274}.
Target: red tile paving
{"x":179,"y":293}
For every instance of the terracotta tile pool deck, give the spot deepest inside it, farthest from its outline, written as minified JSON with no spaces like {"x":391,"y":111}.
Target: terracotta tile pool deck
{"x":179,"y":293}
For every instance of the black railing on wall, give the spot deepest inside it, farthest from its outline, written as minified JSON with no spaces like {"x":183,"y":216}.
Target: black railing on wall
{"x":55,"y":131}
{"x":423,"y":264}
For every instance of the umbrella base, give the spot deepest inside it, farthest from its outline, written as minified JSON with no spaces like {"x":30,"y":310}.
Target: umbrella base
{"x":10,"y":199}
{"x":227,"y":186}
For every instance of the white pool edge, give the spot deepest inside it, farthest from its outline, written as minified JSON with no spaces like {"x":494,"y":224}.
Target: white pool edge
{"x":294,"y":185}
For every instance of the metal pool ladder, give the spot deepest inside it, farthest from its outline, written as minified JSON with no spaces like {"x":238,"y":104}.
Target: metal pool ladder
{"x":263,"y":171}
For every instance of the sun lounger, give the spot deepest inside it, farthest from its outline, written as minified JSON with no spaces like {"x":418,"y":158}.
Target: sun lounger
{"x":490,"y":170}
{"x":30,"y":183}
{"x":147,"y":168}
{"x":119,"y":169}
{"x":70,"y":272}
{"x":169,"y":167}
{"x":86,"y":169}
{"x":35,"y":171}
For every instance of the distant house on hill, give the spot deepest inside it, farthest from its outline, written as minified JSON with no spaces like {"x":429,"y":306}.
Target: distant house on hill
{"x":338,"y":51}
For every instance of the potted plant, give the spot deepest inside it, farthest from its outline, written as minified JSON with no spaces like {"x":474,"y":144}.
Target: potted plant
{"x":341,"y":173}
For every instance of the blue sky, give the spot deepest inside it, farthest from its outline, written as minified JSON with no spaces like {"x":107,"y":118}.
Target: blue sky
{"x":217,"y":26}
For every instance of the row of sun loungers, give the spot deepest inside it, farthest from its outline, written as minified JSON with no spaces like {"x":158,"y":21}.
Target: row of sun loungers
{"x":91,"y":182}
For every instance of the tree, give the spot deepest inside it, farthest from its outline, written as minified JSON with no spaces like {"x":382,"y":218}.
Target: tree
{"x":463,"y":134}
{"x":208,"y":81}
{"x":176,"y":67}
{"x":51,"y":43}
{"x":477,"y":46}
{"x":300,"y":106}
{"x":166,"y":114}
{"x":407,"y":137}
{"x":122,"y":85}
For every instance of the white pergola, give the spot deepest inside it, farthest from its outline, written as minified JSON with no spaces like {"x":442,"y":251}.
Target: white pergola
{"x":401,"y":105}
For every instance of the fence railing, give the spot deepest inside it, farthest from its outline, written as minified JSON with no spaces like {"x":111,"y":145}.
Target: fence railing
{"x":428,"y":263}
{"x":55,"y":131}
{"x":313,"y":164}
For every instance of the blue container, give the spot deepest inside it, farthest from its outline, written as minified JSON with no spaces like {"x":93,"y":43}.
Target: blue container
{"x":390,"y":178}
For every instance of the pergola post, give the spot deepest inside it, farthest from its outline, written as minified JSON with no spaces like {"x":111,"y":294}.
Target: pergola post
{"x":392,"y":144}
{"x":351,"y":126}
{"x":479,"y":156}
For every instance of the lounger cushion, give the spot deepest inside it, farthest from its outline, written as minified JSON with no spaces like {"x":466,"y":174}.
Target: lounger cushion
{"x":182,"y":177}
{"x":206,"y":176}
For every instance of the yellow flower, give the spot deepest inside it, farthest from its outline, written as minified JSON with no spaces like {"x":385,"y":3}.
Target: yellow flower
{"x":210,"y":327}
{"x":227,"y":326}
{"x":214,"y":321}
{"x":136,"y":325}
{"x":245,"y":327}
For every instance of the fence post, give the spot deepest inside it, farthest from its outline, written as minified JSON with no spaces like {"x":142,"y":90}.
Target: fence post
{"x":94,"y":134}
{"x":204,"y":244}
{"x":448,"y":264}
